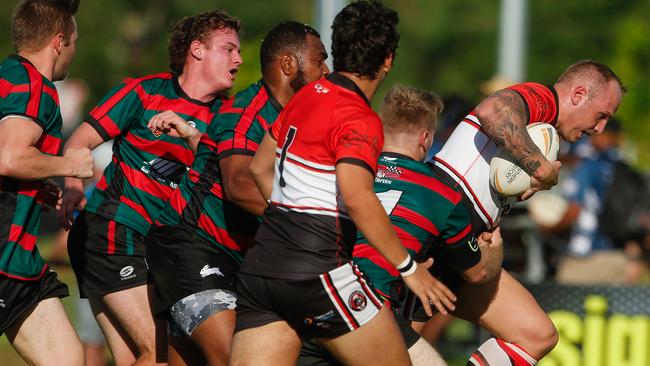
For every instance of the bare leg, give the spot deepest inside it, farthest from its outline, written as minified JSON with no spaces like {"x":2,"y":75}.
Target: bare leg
{"x":132,"y":311}
{"x":214,"y":337}
{"x":506,"y":309}
{"x":274,"y":344}
{"x":183,"y":352}
{"x":123,"y":350}
{"x":45,"y":336}
{"x":361,"y":346}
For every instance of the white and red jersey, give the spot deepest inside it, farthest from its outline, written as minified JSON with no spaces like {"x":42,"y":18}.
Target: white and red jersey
{"x":306,"y":231}
{"x":467,"y":154}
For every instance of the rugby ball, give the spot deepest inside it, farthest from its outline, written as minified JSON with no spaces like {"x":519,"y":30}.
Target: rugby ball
{"x":507,"y":177}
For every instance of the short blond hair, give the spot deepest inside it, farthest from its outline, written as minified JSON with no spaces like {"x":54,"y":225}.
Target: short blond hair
{"x":407,"y":109}
{"x":600,"y":73}
{"x":35,"y":22}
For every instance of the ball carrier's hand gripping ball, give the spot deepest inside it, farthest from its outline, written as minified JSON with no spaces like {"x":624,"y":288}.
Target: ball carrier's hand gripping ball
{"x":507,"y":177}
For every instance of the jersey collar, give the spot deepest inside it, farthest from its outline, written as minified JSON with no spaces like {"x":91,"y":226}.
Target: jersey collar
{"x":557,"y":104}
{"x":20,"y":58}
{"x":346,"y":83}
{"x":391,"y":154}
{"x":274,"y":102}
{"x":181,"y":93}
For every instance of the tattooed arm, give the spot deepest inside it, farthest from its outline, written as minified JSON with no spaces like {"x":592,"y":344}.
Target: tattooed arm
{"x":503,"y":118}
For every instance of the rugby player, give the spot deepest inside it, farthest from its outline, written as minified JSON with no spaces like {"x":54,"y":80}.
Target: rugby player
{"x":583,"y":99}
{"x":106,"y":242}
{"x":298,"y":281}
{"x":211,"y":219}
{"x":44,"y":36}
{"x":427,"y":213}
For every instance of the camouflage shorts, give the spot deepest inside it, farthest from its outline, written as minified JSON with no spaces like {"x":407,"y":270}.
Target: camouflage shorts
{"x":189,"y":312}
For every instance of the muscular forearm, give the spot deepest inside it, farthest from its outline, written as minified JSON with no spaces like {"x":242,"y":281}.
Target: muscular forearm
{"x":244,"y":194}
{"x":489,"y":265}
{"x":503,"y":119}
{"x":28,"y":163}
{"x":371,"y":220}
{"x":365,"y":209}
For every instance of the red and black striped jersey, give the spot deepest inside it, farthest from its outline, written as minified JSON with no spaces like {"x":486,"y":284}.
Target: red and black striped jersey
{"x":146,"y":166}
{"x":307,"y":230}
{"x":30,"y":96}
{"x":239,"y":128}
{"x":467,"y":154}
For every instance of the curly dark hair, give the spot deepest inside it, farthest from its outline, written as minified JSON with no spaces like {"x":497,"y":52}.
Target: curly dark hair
{"x":196,"y":27}
{"x":364,"y":34}
{"x":34,"y":22}
{"x":289,"y":37}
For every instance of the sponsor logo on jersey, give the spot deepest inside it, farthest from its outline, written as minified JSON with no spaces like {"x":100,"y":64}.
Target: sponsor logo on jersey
{"x":127,"y":273}
{"x":165,"y":171}
{"x":357,"y":300}
{"x":2,"y":303}
{"x":207,"y":270}
{"x":321,"y":89}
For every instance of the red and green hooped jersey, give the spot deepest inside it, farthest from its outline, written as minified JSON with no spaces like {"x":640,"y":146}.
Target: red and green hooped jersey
{"x":26,"y":94}
{"x":198,"y":202}
{"x":427,"y":213}
{"x":146,"y":166}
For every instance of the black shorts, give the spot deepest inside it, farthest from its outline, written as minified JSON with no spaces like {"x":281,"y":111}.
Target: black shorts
{"x":330,"y":305}
{"x":98,"y":272}
{"x":18,"y":297}
{"x":313,"y":354}
{"x":182,"y":263}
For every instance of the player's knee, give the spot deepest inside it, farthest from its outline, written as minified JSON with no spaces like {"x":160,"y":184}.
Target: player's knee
{"x":541,"y":339}
{"x":551,"y":338}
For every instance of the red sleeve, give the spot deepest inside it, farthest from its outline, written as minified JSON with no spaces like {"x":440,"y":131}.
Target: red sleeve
{"x":359,"y":141}
{"x":540,"y":100}
{"x":277,"y":126}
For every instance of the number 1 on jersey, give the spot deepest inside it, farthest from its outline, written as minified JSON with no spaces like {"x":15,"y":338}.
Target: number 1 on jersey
{"x":389,"y":199}
{"x":291,"y":135}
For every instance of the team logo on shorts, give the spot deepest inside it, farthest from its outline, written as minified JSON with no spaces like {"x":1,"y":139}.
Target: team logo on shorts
{"x":127,"y":273}
{"x":357,"y":301}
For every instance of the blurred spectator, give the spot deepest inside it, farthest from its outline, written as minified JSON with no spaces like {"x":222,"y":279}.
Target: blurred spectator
{"x":496,"y":83}
{"x":591,"y":256}
{"x":73,"y":94}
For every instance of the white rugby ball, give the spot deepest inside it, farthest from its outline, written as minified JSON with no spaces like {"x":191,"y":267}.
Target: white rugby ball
{"x":507,"y":177}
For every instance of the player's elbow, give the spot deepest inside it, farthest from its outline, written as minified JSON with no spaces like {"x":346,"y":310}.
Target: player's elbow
{"x":8,"y":163}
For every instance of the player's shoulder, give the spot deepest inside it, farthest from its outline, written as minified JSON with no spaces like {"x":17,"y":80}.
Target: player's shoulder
{"x":530,"y":88}
{"x":149,"y":81}
{"x":16,"y":70}
{"x":244,"y":97}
